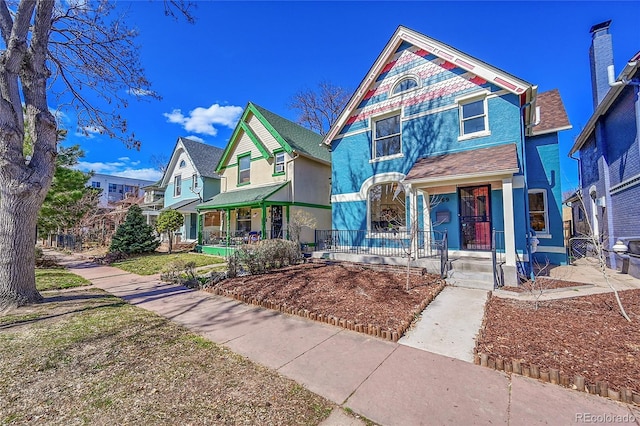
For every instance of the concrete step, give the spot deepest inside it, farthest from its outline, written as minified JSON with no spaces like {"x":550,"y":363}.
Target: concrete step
{"x":472,"y":265}
{"x":468,"y":279}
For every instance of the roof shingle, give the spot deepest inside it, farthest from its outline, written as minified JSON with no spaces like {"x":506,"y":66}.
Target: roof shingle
{"x":205,"y":157}
{"x":501,"y":158}
{"x":552,"y":113}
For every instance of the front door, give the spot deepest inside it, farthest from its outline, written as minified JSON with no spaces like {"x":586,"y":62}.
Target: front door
{"x":276,"y":221}
{"x":193,"y":226}
{"x":475,"y":217}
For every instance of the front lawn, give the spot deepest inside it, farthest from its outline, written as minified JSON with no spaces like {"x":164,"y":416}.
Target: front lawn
{"x":57,"y":279}
{"x":85,"y":357}
{"x":154,"y":263}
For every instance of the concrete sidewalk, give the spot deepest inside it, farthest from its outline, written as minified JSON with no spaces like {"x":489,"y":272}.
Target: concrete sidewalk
{"x":388,"y":383}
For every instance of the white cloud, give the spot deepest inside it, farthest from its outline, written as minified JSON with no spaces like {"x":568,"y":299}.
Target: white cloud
{"x":100,"y":167}
{"x":146,"y":174}
{"x":195,"y":138}
{"x":89,"y":132}
{"x":140,"y":92}
{"x":124,"y":167}
{"x":201,"y":120}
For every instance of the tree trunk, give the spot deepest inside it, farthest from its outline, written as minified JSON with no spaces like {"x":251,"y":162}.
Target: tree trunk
{"x":18,"y":216}
{"x":170,"y":241}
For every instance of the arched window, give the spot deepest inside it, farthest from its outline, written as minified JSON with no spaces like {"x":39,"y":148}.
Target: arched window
{"x":404,"y":85}
{"x":387,"y":207}
{"x":182,"y":163}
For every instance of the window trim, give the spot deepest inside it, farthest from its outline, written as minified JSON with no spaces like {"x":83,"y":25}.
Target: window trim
{"x":400,"y":80}
{"x":240,"y":157}
{"x":276,"y":153}
{"x":545,"y":212}
{"x":177,"y":186}
{"x":465,"y":100}
{"x":182,"y":164}
{"x":373,"y":124}
{"x":194,"y":181}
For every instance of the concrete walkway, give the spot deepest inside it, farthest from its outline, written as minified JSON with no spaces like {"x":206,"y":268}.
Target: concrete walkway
{"x":450,"y":324}
{"x":388,"y":383}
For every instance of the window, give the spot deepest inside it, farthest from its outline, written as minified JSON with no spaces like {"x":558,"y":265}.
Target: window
{"x":182,"y":164}
{"x":278,"y":166}
{"x":244,"y":169}
{"x":194,"y":181}
{"x":95,"y":184}
{"x":473,"y":117}
{"x":243,"y":222}
{"x":177,"y":186}
{"x":538,"y":213}
{"x":113,"y":187}
{"x":212,"y":219}
{"x":386,"y":140}
{"x":405,"y":85}
{"x":387,"y":207}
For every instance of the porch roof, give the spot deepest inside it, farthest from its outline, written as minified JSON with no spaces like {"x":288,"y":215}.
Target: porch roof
{"x":241,"y":198}
{"x":184,"y":206}
{"x":495,"y":160}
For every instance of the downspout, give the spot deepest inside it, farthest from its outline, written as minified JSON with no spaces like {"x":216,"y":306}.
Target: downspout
{"x":526,"y":188}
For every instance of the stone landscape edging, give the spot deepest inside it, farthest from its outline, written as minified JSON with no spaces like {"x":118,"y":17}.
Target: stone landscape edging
{"x":370,"y":329}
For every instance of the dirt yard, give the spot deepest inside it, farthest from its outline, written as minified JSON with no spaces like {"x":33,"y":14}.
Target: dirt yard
{"x":351,"y":292}
{"x":582,"y":335}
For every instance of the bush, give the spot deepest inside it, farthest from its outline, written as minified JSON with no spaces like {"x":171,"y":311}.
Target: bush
{"x":264,"y":256}
{"x":134,"y":235}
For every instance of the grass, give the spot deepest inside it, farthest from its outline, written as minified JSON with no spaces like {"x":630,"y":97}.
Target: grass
{"x":154,"y":263}
{"x":91,"y":358}
{"x":58,"y":279}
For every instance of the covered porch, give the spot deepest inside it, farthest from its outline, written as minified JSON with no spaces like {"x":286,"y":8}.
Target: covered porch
{"x":234,"y":218}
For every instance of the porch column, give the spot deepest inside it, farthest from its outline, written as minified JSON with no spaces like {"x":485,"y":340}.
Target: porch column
{"x":426,"y":219}
{"x":263,"y":222}
{"x":509,"y":223}
{"x":413,"y":220}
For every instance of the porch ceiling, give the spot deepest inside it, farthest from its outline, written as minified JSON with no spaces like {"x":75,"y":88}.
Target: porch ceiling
{"x":482,"y":162}
{"x":241,"y":198}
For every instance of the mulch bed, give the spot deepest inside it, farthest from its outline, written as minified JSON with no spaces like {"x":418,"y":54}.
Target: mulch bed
{"x":542,"y":284}
{"x":584,"y":336}
{"x":375,"y":300}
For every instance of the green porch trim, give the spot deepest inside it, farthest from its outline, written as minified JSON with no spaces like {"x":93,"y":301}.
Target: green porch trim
{"x":256,"y":198}
{"x":270,"y":128}
{"x":217,"y":251}
{"x":256,"y":141}
{"x":263,"y":219}
{"x":315,"y":206}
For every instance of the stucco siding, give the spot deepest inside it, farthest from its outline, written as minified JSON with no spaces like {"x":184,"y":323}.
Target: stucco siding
{"x":311,"y":183}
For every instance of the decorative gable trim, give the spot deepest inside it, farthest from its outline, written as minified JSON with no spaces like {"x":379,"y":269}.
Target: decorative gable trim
{"x":242,"y":125}
{"x":451,"y":57}
{"x":173,"y":163}
{"x":256,"y":141}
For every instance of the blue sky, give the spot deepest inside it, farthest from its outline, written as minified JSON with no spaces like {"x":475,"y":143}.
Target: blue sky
{"x":264,"y":52}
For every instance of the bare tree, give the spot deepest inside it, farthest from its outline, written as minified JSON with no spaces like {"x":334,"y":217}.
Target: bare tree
{"x":88,"y":48}
{"x":160,"y":162}
{"x":596,"y":239}
{"x":319,"y":109}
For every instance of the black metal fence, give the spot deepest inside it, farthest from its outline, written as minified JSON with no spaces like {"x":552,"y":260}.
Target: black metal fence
{"x":417,"y":244}
{"x":239,"y":238}
{"x":498,"y":257}
{"x":66,"y":241}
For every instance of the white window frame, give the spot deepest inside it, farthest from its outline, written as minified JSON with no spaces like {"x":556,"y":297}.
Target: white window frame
{"x":279,"y":163}
{"x":177,"y":185}
{"x":374,"y":121}
{"x":400,"y":80}
{"x":545,"y":212}
{"x":248,"y":169}
{"x":194,"y":181}
{"x":371,"y":231}
{"x":465,"y":100}
{"x":182,"y":163}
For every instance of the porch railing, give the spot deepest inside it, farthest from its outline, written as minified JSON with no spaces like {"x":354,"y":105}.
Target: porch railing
{"x":238,"y":238}
{"x":498,"y":257}
{"x":395,"y":243}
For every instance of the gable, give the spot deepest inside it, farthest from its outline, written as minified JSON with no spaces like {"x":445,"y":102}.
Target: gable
{"x":177,"y":157}
{"x":442,"y":72}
